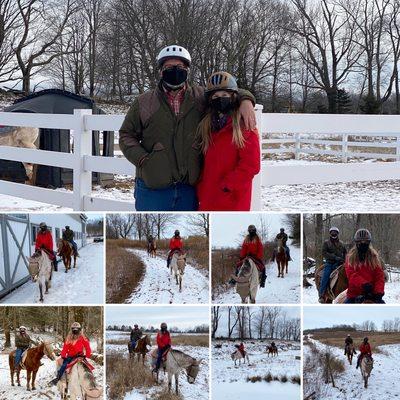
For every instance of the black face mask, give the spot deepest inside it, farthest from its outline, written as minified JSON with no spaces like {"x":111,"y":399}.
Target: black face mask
{"x":334,"y":236}
{"x":252,"y":233}
{"x":222,"y":104}
{"x":43,"y":229}
{"x":174,"y":77}
{"x":75,"y":331}
{"x":163,"y":329}
{"x":362,"y":249}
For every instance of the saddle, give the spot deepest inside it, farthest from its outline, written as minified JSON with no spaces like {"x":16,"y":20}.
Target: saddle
{"x":259,"y":264}
{"x":154,"y":354}
{"x":332,"y":279}
{"x":84,"y":362}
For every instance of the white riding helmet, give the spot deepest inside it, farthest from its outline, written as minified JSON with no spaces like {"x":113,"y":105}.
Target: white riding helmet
{"x":333,"y":228}
{"x":174,"y":51}
{"x":22,"y":328}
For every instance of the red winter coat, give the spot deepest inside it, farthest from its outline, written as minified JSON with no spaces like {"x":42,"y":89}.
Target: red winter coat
{"x":81,"y":346}
{"x":254,"y":248}
{"x":175,"y":243}
{"x":163,"y":339}
{"x":241,"y":348}
{"x":361,"y":274}
{"x":44,"y":239}
{"x":228,"y":167}
{"x":365,"y":349}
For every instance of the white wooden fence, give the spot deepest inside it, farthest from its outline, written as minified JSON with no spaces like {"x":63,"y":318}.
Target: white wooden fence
{"x":81,"y":161}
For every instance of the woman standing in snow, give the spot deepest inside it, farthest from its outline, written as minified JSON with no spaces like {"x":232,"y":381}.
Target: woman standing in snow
{"x":364,"y":271}
{"x":231,"y":153}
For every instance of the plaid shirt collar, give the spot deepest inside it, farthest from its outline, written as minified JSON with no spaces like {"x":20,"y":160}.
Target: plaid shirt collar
{"x":175,"y":100}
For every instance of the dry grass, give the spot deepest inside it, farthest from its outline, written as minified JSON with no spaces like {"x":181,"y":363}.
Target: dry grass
{"x":278,"y":378}
{"x":124,"y":270}
{"x":165,"y":395}
{"x":122,"y":378}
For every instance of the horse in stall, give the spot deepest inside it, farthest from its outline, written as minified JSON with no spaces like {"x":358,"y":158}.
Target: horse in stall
{"x":175,"y":362}
{"x":237,"y":356}
{"x":24,"y":137}
{"x":367,"y":363}
{"x":79,"y":383}
{"x":31,"y":362}
{"x":42,"y":273}
{"x":66,"y":252}
{"x":140,"y":348}
{"x":350,"y":351}
{"x":273,"y":350}
{"x":177,"y":267}
{"x":281,"y":258}
{"x":247,"y":281}
{"x":152,"y":248}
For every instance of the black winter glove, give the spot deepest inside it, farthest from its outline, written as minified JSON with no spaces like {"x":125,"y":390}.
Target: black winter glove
{"x":378,"y":297}
{"x":360,"y":299}
{"x":367,"y":288}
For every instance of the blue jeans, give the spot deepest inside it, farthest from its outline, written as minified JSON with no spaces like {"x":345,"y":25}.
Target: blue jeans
{"x":133,"y":344}
{"x":160,"y":353}
{"x":177,"y":197}
{"x":328,"y":269}
{"x":74,"y":245}
{"x":18,"y":356}
{"x":63,"y":367}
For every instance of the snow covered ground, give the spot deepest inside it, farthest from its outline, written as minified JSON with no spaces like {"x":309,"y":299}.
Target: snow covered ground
{"x":335,"y":197}
{"x":230,"y":382}
{"x":158,"y":287}
{"x":45,"y":374}
{"x":382,"y":384}
{"x":277,"y":290}
{"x":82,"y":285}
{"x":198,"y":391}
{"x":392,"y":291}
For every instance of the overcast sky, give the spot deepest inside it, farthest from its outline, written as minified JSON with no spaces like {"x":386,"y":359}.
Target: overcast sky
{"x":93,"y":216}
{"x":321,"y":317}
{"x":180,"y":316}
{"x":228,"y":229}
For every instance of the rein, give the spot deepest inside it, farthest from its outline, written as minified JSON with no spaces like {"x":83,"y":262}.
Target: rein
{"x":181,"y":367}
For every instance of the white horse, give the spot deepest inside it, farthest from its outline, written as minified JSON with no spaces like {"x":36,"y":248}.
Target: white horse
{"x":43,"y":275}
{"x":367,"y":363}
{"x":247,"y":281}
{"x":79,"y":383}
{"x":177,"y":268}
{"x":237,"y":355}
{"x":20,"y":137}
{"x":175,"y":363}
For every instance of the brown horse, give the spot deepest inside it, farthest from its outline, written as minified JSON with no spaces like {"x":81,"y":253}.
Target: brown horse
{"x":281,"y":259}
{"x":273,"y":350}
{"x":350,"y":351}
{"x":31,"y":364}
{"x":152,"y":249}
{"x":66,"y":252}
{"x":140,"y":348}
{"x":340,"y":285}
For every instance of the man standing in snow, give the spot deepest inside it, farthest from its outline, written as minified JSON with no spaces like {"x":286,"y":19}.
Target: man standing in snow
{"x":159,"y":137}
{"x":334,"y":253}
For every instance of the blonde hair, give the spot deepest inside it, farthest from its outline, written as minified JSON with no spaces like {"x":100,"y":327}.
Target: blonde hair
{"x":73,"y":337}
{"x":204,"y":130}
{"x":372,"y":258}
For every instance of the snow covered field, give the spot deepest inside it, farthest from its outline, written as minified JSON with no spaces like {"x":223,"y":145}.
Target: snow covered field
{"x":45,"y":374}
{"x":382,"y":384}
{"x":82,"y":285}
{"x":335,"y":197}
{"x":230,"y":382}
{"x":392,"y":291}
{"x":197,"y":391}
{"x":158,"y":287}
{"x":277,"y":290}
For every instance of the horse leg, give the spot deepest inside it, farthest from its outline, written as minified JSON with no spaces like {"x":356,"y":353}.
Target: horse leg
{"x":176,"y":383}
{"x":40,"y":290}
{"x":33,"y":379}
{"x":74,"y":260}
{"x":169,"y":382}
{"x":180,"y":283}
{"x":47,"y":287}
{"x":12,"y":375}
{"x":28,"y":379}
{"x":287,"y":265}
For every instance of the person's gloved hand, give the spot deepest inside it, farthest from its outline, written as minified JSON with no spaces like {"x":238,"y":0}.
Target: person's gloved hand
{"x":378,"y":297}
{"x":360,"y":299}
{"x":367,"y":288}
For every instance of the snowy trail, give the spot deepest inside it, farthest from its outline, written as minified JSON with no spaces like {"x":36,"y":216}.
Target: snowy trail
{"x":82,"y":285}
{"x":392,"y":291}
{"x":276,"y":290}
{"x":230,"y":382}
{"x":158,"y":287}
{"x":383,"y":382}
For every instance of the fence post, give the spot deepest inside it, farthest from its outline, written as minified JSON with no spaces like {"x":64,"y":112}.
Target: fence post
{"x":297,"y":146}
{"x":82,"y":180}
{"x":256,"y":190}
{"x":345,"y":147}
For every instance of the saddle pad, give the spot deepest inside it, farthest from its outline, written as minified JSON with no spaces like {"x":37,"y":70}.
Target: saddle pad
{"x":341,"y":298}
{"x":334,"y":277}
{"x":85,"y":362}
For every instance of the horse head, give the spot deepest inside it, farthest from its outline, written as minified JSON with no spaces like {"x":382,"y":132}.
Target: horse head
{"x":192,"y":371}
{"x":48,"y":350}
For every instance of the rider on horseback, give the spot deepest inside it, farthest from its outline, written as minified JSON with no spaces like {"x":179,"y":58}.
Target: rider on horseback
{"x":347,"y":342}
{"x":22,"y":343}
{"x":334,"y":253}
{"x":175,"y":244}
{"x":163,"y":344}
{"x":364,"y":271}
{"x":136,"y":334}
{"x":252,"y":247}
{"x":68,"y":235}
{"x":44,"y":241}
{"x":282,"y":235}
{"x":241,"y":348}
{"x":76,"y":345}
{"x":365,"y":350}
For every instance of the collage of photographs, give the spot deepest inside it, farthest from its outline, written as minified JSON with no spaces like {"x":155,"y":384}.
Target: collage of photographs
{"x":199,"y":199}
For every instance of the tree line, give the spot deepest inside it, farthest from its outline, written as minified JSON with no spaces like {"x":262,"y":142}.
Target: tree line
{"x":254,"y":323}
{"x":336,"y":56}
{"x":54,"y":320}
{"x":384,"y":229}
{"x":203,"y":328}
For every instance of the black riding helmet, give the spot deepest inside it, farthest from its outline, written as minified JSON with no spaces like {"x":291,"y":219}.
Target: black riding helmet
{"x":177,"y":233}
{"x":43,"y":226}
{"x":282,"y":230}
{"x":252,"y":229}
{"x":365,"y":340}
